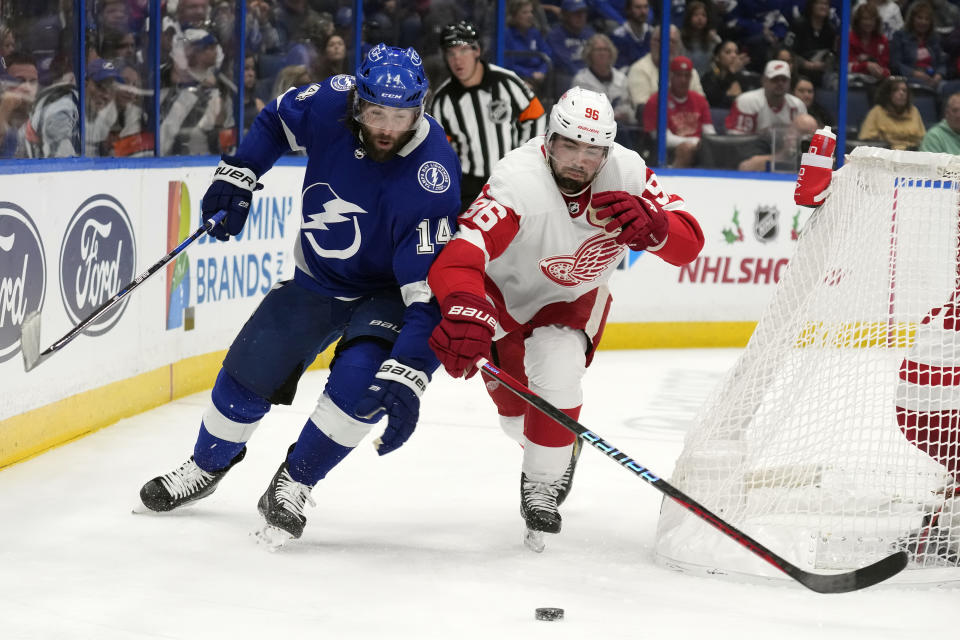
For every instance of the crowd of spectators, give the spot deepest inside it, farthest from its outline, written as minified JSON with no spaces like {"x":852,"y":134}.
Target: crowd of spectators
{"x":899,"y":50}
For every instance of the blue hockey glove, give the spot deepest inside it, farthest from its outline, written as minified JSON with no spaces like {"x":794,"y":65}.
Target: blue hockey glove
{"x":396,"y":390}
{"x":231,"y":190}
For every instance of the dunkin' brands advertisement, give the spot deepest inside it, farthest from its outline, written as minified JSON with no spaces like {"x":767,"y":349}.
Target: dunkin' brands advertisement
{"x":71,"y":240}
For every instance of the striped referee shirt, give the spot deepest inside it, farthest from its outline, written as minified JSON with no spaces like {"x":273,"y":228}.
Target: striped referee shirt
{"x":484,"y":122}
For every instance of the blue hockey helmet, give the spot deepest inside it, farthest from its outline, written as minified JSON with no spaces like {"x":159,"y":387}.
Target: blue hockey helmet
{"x":392,"y":77}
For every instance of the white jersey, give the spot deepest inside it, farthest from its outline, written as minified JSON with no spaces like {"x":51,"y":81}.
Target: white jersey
{"x":751,"y":113}
{"x":541,"y":248}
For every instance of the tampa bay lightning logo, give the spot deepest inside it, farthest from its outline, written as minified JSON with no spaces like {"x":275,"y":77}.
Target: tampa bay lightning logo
{"x":342,"y":82}
{"x":324,"y":210}
{"x":433,"y":177}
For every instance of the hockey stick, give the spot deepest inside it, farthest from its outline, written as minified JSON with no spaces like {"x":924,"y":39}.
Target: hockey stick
{"x":30,"y":329}
{"x":821,"y":583}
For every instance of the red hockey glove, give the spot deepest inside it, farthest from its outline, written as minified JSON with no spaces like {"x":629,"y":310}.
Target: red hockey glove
{"x":465,"y":333}
{"x":643,"y":223}
{"x":813,"y":179}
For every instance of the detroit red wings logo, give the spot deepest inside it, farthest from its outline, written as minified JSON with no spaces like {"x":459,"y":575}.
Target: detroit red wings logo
{"x":587,"y":263}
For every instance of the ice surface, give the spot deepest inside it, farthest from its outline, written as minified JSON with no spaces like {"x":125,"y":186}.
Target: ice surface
{"x":422,"y":543}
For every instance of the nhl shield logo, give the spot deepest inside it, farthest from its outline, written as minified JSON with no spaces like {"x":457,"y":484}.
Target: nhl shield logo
{"x":433,"y":177}
{"x":499,"y":111}
{"x":766,"y":225}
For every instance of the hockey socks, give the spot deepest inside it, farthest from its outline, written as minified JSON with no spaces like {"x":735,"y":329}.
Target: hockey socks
{"x":228,"y":423}
{"x":314,"y":455}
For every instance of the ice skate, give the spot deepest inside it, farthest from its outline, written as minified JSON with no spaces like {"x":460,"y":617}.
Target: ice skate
{"x":937,"y":541}
{"x":187,"y":483}
{"x":282,"y":506}
{"x":538,"y":506}
{"x":565,"y":483}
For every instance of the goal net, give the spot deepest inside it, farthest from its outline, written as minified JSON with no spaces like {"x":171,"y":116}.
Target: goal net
{"x":834,"y":438}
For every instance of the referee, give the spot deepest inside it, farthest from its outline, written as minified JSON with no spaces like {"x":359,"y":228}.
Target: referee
{"x":486,"y":110}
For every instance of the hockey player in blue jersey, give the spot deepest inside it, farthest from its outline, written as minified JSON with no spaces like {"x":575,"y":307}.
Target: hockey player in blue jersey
{"x":380,"y":198}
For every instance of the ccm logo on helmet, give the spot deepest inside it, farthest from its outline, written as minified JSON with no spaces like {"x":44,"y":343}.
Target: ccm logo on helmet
{"x":470,"y":312}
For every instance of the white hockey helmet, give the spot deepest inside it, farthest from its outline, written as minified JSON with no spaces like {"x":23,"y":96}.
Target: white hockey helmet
{"x":583,"y":115}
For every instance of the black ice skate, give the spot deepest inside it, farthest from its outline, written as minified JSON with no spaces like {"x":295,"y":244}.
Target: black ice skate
{"x":187,"y":483}
{"x":565,"y":482}
{"x":538,"y":506}
{"x":282,"y":506}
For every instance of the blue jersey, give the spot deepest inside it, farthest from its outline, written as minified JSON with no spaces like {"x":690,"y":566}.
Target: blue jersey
{"x":366,"y":226}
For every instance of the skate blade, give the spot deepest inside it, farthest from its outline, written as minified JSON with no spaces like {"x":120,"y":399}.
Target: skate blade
{"x":533,"y":540}
{"x":271,"y":538}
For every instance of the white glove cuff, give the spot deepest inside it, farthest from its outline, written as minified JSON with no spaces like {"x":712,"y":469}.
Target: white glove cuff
{"x":398,"y":372}
{"x":237,"y":176}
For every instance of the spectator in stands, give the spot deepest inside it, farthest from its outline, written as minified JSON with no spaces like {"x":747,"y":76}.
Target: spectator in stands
{"x":294,"y":75}
{"x":814,"y":41}
{"x":53,"y":130}
{"x":252,"y":104}
{"x":894,"y":118}
{"x":293,"y":19}
{"x":759,"y":26}
{"x":113,"y":14}
{"x":120,"y":47}
{"x":944,"y":137}
{"x":946,"y":15}
{"x":688,"y":114}
{"x":8,"y":41}
{"x":193,"y":13}
{"x":262,"y":36}
{"x":18,"y":91}
{"x":698,"y":34}
{"x":130,"y":135}
{"x":781,"y":52}
{"x":869,"y":48}
{"x":803,"y":88}
{"x":761,"y":109}
{"x":891,"y":18}
{"x":566,"y":41}
{"x":632,"y":38}
{"x":527,"y":53}
{"x":643,"y":78}
{"x":726,"y":78}
{"x":101,"y":106}
{"x":789,"y":143}
{"x":916,"y":52}
{"x":601,"y":76}
{"x":196,"y":110}
{"x":333,"y":58}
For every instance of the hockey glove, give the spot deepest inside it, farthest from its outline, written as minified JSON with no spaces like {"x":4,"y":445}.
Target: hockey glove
{"x":813,"y":180}
{"x":642,"y":223}
{"x":231,"y":190}
{"x":396,"y":391}
{"x":464,"y":334}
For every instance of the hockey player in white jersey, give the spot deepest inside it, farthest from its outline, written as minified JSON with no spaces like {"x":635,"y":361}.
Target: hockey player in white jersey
{"x":524,"y":281}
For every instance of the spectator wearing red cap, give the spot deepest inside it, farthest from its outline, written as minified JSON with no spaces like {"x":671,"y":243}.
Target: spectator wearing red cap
{"x":688,"y":114}
{"x":769,"y":106}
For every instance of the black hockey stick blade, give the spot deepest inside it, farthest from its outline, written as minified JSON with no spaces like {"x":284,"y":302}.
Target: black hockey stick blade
{"x":30,"y":328}
{"x":821,"y":583}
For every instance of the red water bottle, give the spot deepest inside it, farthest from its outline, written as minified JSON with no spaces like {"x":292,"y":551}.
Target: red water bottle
{"x":816,"y":169}
{"x":823,"y":143}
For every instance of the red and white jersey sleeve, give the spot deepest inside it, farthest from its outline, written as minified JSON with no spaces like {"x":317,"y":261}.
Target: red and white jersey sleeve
{"x":536,"y":251}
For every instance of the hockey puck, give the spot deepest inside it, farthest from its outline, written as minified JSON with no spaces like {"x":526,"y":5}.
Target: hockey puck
{"x":549,"y":613}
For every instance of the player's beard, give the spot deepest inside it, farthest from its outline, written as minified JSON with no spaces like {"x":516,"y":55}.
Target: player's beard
{"x":372,"y":139}
{"x":567,"y":183}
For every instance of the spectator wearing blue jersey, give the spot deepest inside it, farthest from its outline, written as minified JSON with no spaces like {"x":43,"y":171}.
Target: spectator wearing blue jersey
{"x":632,"y":38}
{"x":526,"y":52}
{"x":381,"y":193}
{"x":567,"y":40}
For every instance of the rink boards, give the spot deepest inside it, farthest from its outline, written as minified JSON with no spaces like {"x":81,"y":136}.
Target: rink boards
{"x":70,"y":238}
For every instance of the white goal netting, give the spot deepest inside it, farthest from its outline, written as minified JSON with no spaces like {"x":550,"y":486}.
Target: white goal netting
{"x":834,"y":438}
